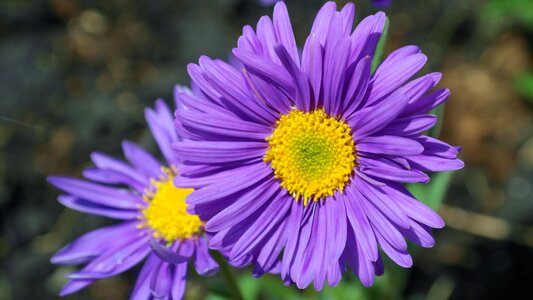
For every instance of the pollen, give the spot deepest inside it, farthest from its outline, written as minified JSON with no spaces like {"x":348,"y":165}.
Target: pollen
{"x":166,"y":213}
{"x":312,"y":154}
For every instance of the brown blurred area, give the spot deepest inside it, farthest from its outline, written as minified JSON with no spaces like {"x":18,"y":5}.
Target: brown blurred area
{"x":76,"y":76}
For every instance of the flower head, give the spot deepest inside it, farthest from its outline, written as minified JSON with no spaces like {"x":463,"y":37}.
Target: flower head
{"x":298,"y":162}
{"x":155,"y":224}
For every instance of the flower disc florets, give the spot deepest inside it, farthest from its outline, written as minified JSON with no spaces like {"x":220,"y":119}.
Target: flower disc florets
{"x":312,"y":154}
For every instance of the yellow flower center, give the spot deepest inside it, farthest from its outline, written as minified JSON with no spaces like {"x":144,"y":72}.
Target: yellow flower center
{"x":166,"y":213}
{"x":311,"y":153}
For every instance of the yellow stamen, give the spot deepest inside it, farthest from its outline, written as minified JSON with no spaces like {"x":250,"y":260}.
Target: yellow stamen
{"x":166,"y":213}
{"x":311,"y":153}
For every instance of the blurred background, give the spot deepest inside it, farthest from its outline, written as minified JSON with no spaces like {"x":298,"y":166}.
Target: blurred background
{"x":75,"y":76}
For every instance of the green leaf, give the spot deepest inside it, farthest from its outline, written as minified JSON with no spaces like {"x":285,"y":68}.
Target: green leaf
{"x":378,"y":56}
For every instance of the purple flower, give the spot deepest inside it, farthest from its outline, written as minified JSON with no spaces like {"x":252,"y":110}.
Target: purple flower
{"x":298,"y":163}
{"x":382,"y":3}
{"x":155,"y":223}
{"x":268,"y":2}
{"x":377,"y":3}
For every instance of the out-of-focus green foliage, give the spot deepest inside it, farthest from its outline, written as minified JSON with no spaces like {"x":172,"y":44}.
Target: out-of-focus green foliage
{"x":524,"y":85}
{"x":503,"y":9}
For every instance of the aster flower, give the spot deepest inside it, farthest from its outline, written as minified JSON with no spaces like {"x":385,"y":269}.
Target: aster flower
{"x":298,"y":163}
{"x":155,"y":224}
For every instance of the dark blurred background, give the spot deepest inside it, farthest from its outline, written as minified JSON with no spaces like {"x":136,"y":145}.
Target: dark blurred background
{"x":75,"y":76}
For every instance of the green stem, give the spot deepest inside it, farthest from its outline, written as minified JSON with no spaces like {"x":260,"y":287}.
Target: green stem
{"x":228,"y":276}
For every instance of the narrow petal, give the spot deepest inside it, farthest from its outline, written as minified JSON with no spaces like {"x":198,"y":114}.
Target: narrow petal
{"x":388,"y":78}
{"x":204,"y":264}
{"x":433,"y":163}
{"x":177,"y":289}
{"x":426,"y":103}
{"x":93,"y":243}
{"x":219,"y":151}
{"x":112,"y":177}
{"x":141,"y":160}
{"x":372,"y":119}
{"x":106,"y":162}
{"x":244,"y":207}
{"x":301,"y":81}
{"x":166,"y":254}
{"x":389,"y":144}
{"x":415,"y":209}
{"x":96,"y":193}
{"x":410,"y":126}
{"x":283,"y":29}
{"x":161,"y":281}
{"x":359,"y":223}
{"x":237,"y":183}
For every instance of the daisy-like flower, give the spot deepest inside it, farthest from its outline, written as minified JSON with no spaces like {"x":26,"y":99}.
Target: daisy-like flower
{"x":298,"y":162}
{"x":155,"y":223}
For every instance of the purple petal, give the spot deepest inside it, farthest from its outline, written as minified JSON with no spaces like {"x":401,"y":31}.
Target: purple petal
{"x":293,"y":222}
{"x":93,"y":243}
{"x":419,"y":235}
{"x":372,"y":119}
{"x":114,"y":260}
{"x":410,"y":126}
{"x":389,"y":144}
{"x":177,"y":289}
{"x":74,"y":286}
{"x":379,"y":168}
{"x":384,"y":203}
{"x":335,"y":66}
{"x":266,"y":70}
{"x":243,"y":207}
{"x":360,"y":224}
{"x":261,"y":227}
{"x":161,"y":281}
{"x":166,"y":254}
{"x":357,"y":86}
{"x":142,"y":285}
{"x":106,"y":162}
{"x":228,"y":186}
{"x":301,"y":81}
{"x":348,"y":15}
{"x":418,"y":87}
{"x":390,"y":77}
{"x":112,"y":177}
{"x":415,"y":209}
{"x":436,"y":147}
{"x":204,"y":264}
{"x":432,"y":163}
{"x":312,"y":66}
{"x":223,"y":126}
{"x":96,"y":209}
{"x":267,"y":259}
{"x":426,"y":103}
{"x":283,"y":29}
{"x":399,"y":256}
{"x":320,"y":27}
{"x":383,"y":227}
{"x":96,"y":193}
{"x":366,"y":36}
{"x":141,"y":160}
{"x":219,"y":151}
